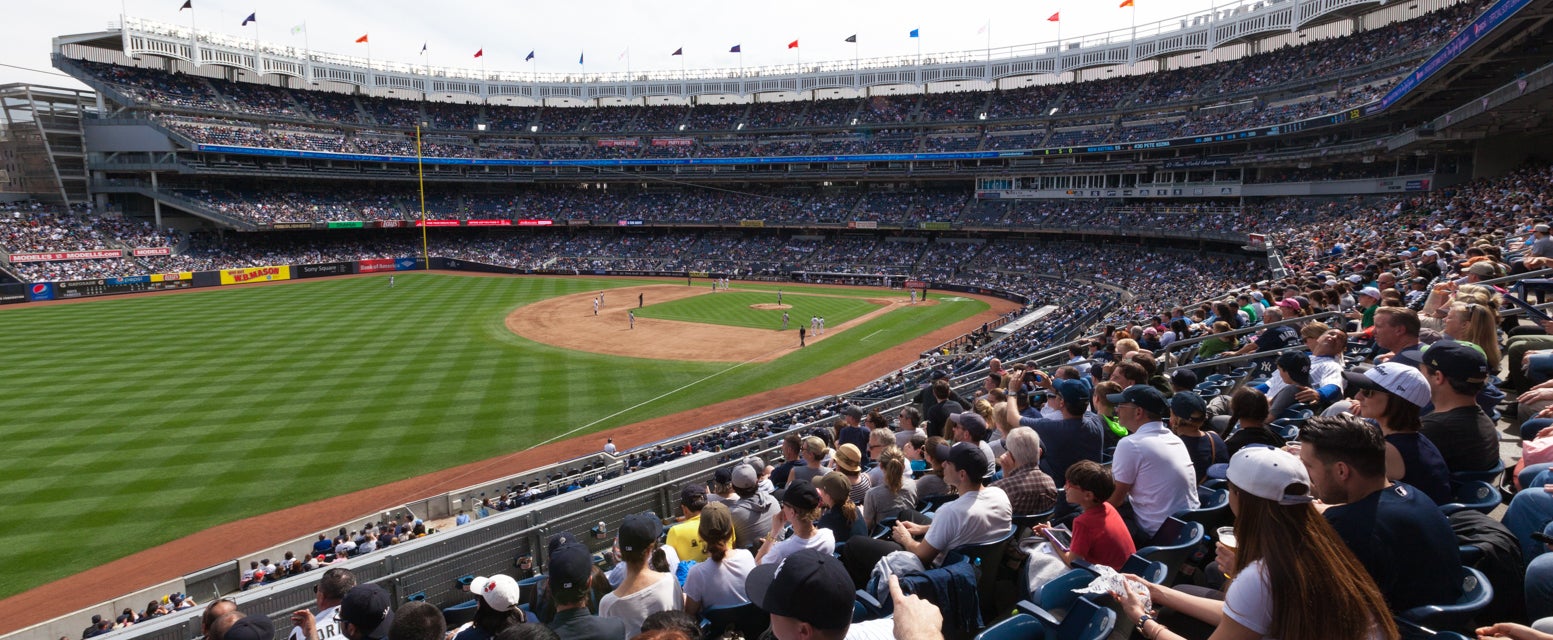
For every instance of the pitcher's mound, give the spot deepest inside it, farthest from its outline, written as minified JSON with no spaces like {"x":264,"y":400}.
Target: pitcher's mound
{"x":767,"y":306}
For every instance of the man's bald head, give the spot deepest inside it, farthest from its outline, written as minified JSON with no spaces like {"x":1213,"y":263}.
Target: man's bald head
{"x":222,"y":624}
{"x":214,"y":612}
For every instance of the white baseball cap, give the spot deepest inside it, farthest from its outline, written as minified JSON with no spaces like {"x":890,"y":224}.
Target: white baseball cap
{"x":1270,"y":474}
{"x":1395,"y":378}
{"x":500,"y":592}
{"x":1372,"y":292}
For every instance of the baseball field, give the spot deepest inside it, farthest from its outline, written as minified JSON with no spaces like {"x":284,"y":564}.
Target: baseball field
{"x":134,"y":421}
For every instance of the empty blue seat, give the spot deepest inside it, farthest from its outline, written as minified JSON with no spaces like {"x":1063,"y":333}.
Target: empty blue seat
{"x":1476,"y":593}
{"x":1179,"y":538}
{"x":1487,"y":475}
{"x":1476,"y":495}
{"x":1085,"y":621}
{"x":1212,"y":511}
{"x":460,"y":613}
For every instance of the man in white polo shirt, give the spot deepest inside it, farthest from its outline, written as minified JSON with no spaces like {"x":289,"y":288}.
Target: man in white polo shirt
{"x":1152,"y":468}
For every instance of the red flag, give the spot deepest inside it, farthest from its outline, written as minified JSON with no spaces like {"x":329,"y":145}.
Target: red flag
{"x":481,"y":52}
{"x":363,"y":38}
{"x":1054,"y":17}
{"x":792,"y":45}
{"x":1126,"y":3}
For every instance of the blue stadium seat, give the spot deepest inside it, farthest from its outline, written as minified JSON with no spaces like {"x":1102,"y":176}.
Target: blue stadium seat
{"x":1180,"y":538}
{"x":1476,"y":593}
{"x":1286,"y":428}
{"x":460,"y":613}
{"x":1212,"y":511}
{"x":1057,"y":594}
{"x":1084,"y":621}
{"x":1476,"y":495}
{"x":1490,"y":476}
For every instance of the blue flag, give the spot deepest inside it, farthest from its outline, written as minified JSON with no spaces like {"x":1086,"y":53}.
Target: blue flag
{"x":914,"y":33}
{"x":735,"y":49}
{"x":579,"y":58}
{"x":252,"y":17}
{"x":530,"y":56}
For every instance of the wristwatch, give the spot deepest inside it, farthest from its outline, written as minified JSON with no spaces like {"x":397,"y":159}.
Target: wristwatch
{"x":1143,"y":620}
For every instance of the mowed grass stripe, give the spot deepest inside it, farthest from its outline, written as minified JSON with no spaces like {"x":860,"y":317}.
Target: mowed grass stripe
{"x":132,"y":421}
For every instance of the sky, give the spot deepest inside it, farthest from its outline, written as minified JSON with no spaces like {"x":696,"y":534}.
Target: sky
{"x":601,"y":30}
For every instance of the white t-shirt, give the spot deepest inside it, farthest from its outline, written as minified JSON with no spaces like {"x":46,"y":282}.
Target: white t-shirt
{"x":663,"y":595}
{"x":822,"y":541}
{"x":1159,"y":468}
{"x":978,"y":517}
{"x":720,"y":584}
{"x":328,"y":626}
{"x":1249,"y":601}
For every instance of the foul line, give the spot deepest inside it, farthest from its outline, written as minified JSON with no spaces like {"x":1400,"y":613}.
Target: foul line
{"x":865,"y":338}
{"x":650,"y":401}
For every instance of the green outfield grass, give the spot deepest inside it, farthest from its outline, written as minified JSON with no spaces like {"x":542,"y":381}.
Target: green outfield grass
{"x":133,"y":421}
{"x":733,"y":308}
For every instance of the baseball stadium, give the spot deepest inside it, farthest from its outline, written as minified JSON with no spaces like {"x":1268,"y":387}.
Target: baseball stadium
{"x":1247,"y":304}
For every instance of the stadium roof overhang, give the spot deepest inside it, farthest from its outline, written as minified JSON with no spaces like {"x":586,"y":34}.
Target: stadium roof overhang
{"x":1203,"y":31}
{"x":1499,"y":56}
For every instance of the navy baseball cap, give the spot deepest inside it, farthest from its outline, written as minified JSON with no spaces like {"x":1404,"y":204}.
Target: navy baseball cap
{"x":969,"y":458}
{"x":639,"y":531}
{"x":370,"y":608}
{"x":1184,"y":378}
{"x":560,"y":539}
{"x":251,"y":628}
{"x":1297,"y":365}
{"x":1144,"y":396}
{"x":971,"y":422}
{"x":802,"y":496}
{"x":1458,"y":361}
{"x":1187,"y":405}
{"x":807,"y":586}
{"x":1075,"y":394}
{"x":571,"y":566}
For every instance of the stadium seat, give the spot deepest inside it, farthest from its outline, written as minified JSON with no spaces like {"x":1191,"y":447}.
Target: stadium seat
{"x":929,"y":504}
{"x":1286,"y":428}
{"x":1476,"y":593}
{"x":1411,"y":631}
{"x":1181,"y":538}
{"x":1030,"y":520}
{"x":1057,"y":594}
{"x":1490,"y":476}
{"x":1212,"y":511}
{"x":747,"y":619}
{"x":989,"y":557}
{"x":1084,"y":621}
{"x":1476,"y":495}
{"x":528,"y":589}
{"x":461,"y":613}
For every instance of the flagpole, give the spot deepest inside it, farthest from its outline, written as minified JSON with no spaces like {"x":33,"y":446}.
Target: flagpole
{"x":194,"y":37}
{"x":420,"y":172}
{"x":857,"y":62}
{"x":989,"y":40}
{"x":258,"y":64}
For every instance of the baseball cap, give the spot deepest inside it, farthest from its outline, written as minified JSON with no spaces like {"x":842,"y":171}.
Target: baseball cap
{"x":756,"y":463}
{"x":253,"y":628}
{"x":1270,"y":474}
{"x":1355,"y":278}
{"x":571,"y":566}
{"x":1144,"y":396}
{"x":1371,"y":292}
{"x":722,"y":476}
{"x":834,"y":485}
{"x":1184,"y":378}
{"x":639,"y":531}
{"x":744,"y":477}
{"x":848,"y":457}
{"x":808,"y":586}
{"x":1297,"y":365}
{"x":692,"y":494}
{"x":368,"y":607}
{"x":500,"y":592}
{"x":967,"y":457}
{"x":971,"y":422}
{"x":1458,"y":361}
{"x":852,"y":411}
{"x":1187,"y":405}
{"x":1075,"y":394}
{"x":1542,"y":228}
{"x":1482,"y":269}
{"x":801,"y":496}
{"x":1395,"y":378}
{"x":560,"y":539}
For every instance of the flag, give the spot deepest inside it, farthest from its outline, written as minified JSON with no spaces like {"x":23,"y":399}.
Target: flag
{"x":983,"y":28}
{"x":1055,"y":17}
{"x":623,"y":54}
{"x":735,"y":49}
{"x":478,"y":54}
{"x":915,"y":33}
{"x":423,"y":48}
{"x":252,"y":17}
{"x":579,"y":57}
{"x":852,"y":38}
{"x":363,"y":38}
{"x":299,"y":29}
{"x":530,"y":56}
{"x":678,"y":52}
{"x":187,"y":4}
{"x":1127,"y":3}
{"x":792,"y":45}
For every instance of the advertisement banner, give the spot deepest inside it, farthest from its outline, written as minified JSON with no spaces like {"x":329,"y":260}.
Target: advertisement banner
{"x":354,"y":224}
{"x":391,"y":224}
{"x":172,"y":277}
{"x":915,"y":284}
{"x":1257,"y":240}
{"x":13,"y":293}
{"x":153,"y":251}
{"x":374,"y":266}
{"x":255,"y":274}
{"x":292,"y":225}
{"x":617,"y":142}
{"x":406,"y":264}
{"x":863,"y":224}
{"x":319,"y":270}
{"x":100,"y":254}
{"x":578,"y":223}
{"x":489,"y":223}
{"x":672,"y":142}
{"x":629,"y":223}
{"x":41,"y":291}
{"x":437,"y":223}
{"x":538,"y":223}
{"x":752,"y":223}
{"x":936,"y":226}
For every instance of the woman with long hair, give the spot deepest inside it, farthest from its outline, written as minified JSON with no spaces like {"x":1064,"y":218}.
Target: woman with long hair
{"x":645,"y":590}
{"x":1294,"y":578}
{"x":1248,"y":419}
{"x":897,"y":493}
{"x":1392,"y":394}
{"x":800,"y":508}
{"x":718,"y":582}
{"x":1478,"y":324}
{"x":841,"y":514}
{"x":931,"y":481}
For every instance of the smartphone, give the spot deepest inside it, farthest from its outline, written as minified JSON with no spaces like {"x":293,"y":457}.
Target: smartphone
{"x":1059,"y":536}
